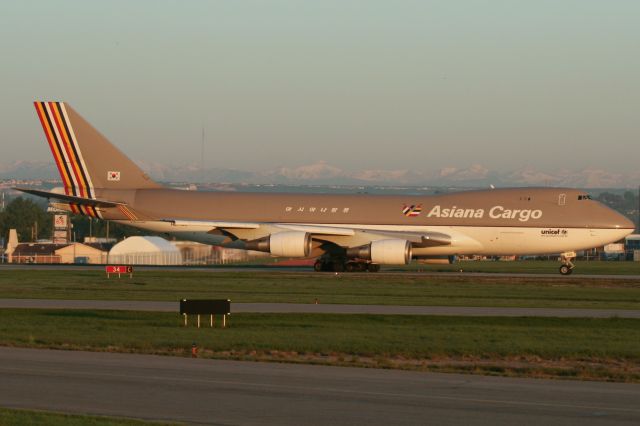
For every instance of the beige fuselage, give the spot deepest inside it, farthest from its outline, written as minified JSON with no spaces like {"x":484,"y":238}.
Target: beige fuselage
{"x":492,"y":222}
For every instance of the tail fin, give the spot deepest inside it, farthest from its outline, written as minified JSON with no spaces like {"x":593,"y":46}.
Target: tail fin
{"x":86,"y":160}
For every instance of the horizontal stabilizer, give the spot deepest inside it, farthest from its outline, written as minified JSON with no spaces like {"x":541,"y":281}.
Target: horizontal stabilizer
{"x":71,"y":199}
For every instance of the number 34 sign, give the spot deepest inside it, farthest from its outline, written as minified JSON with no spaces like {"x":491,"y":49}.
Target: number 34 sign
{"x":113,"y":269}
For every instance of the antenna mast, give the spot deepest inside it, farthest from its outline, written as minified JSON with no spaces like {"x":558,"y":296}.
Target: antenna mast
{"x":202,"y":158}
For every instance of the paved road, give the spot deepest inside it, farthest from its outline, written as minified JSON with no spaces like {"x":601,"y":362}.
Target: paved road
{"x":308,"y":270}
{"x":232,"y":392}
{"x":126,"y":305}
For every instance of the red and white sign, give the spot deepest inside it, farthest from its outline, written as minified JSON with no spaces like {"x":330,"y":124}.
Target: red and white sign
{"x":118,"y":269}
{"x":60,"y":221}
{"x":113,"y":176}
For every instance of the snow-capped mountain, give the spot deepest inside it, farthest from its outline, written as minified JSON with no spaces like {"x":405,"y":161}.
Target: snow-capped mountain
{"x":322,"y":173}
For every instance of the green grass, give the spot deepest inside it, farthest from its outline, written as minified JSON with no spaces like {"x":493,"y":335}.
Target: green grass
{"x":9,"y":417}
{"x":255,"y":286}
{"x":528,"y":267}
{"x":603,"y":349}
{"x":363,"y":335}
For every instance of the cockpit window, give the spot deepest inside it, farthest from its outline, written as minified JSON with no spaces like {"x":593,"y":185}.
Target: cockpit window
{"x":584,"y":197}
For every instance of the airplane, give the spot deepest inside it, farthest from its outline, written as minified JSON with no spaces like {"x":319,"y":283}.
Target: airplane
{"x":352,"y":232}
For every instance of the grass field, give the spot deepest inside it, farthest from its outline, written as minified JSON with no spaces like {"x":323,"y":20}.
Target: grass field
{"x":602,"y":349}
{"x":606,"y":349}
{"x":11,"y":417}
{"x":529,"y":267}
{"x":255,"y":286}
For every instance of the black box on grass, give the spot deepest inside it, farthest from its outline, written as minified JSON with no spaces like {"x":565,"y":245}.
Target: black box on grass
{"x":205,"y":307}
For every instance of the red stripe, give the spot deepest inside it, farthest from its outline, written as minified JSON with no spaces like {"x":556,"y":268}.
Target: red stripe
{"x":66,"y":128}
{"x":40,"y":106}
{"x":63,"y":141}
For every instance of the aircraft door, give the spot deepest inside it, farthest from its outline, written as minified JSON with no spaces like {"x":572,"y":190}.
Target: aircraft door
{"x":562,"y":199}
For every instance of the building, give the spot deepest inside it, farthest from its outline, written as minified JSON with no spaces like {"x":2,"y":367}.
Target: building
{"x":632,"y":247}
{"x":58,"y":253}
{"x":83,"y":253}
{"x":632,"y":242}
{"x":145,"y":251}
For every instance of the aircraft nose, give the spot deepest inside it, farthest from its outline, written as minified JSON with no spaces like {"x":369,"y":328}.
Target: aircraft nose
{"x":622,"y":222}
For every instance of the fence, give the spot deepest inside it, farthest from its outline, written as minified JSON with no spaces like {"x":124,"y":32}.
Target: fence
{"x":180,"y":258}
{"x":225,"y":257}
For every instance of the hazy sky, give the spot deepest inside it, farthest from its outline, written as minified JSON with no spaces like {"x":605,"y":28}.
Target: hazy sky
{"x":360,"y":84}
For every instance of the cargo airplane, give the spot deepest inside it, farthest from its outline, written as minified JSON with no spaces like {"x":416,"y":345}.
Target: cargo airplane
{"x":344,"y":232}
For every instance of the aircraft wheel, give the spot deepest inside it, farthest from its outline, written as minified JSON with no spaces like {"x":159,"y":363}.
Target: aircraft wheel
{"x":338,"y":267}
{"x":565,"y":270}
{"x":373,"y":267}
{"x":351,"y":267}
{"x":318,"y":266}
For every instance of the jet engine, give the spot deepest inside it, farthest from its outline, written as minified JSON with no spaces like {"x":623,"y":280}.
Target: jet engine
{"x":285,"y":244}
{"x":383,"y":252}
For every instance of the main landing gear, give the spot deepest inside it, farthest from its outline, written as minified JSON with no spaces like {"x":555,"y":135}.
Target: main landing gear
{"x":341,"y":265}
{"x":567,"y":265}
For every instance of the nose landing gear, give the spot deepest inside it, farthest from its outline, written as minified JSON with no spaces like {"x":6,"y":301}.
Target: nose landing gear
{"x":567,"y":265}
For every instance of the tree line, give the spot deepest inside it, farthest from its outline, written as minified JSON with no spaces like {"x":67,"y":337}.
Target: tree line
{"x":627,"y":204}
{"x":32,"y":222}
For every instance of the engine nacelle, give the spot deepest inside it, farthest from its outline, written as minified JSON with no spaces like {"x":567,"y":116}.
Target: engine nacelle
{"x":383,"y":252}
{"x":284,"y":244}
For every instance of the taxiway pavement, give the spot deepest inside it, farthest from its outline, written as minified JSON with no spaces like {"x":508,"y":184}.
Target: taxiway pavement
{"x":234,"y":392}
{"x":312,"y":308}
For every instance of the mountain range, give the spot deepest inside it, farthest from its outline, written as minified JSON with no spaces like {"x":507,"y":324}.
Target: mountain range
{"x":322,"y":173}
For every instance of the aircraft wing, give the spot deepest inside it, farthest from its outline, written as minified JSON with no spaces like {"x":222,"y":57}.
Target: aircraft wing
{"x":319,"y":232}
{"x":318,"y":229}
{"x":230,"y":226}
{"x":418,"y":239}
{"x":211,"y":225}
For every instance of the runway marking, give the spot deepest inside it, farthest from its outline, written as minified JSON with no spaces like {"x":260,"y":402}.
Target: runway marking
{"x":67,"y":373}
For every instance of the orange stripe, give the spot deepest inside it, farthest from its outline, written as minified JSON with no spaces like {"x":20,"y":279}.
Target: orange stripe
{"x":76,"y":148}
{"x":129,"y":214}
{"x":85,"y":210}
{"x":54,"y":148}
{"x":67,"y":147}
{"x":122,"y":211}
{"x":90,"y":211}
{"x":126,"y":212}
{"x":68,"y":183}
{"x":93,"y":211}
{"x":133,"y":215}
